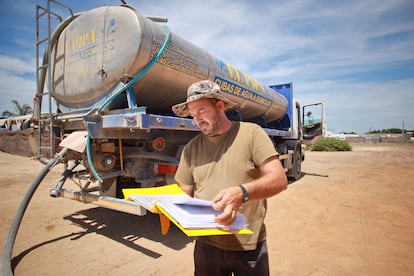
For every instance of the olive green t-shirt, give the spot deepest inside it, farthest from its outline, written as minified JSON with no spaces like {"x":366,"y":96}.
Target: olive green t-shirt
{"x":216,"y":163}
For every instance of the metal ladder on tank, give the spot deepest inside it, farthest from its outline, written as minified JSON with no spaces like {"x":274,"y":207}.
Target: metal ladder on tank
{"x":45,"y":121}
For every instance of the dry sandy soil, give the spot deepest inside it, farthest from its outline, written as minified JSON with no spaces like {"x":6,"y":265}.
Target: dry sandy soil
{"x":352,"y":213}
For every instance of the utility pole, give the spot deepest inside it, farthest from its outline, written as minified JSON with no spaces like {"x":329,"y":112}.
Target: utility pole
{"x":403,"y":127}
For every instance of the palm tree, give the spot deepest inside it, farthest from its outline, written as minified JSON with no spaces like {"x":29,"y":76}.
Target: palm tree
{"x":21,"y":110}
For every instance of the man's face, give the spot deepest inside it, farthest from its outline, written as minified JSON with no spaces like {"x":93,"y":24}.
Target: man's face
{"x":205,"y":115}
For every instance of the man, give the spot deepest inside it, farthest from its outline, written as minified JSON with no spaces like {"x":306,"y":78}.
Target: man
{"x":235,"y":165}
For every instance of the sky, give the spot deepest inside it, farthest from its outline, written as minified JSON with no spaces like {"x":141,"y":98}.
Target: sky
{"x":355,"y":56}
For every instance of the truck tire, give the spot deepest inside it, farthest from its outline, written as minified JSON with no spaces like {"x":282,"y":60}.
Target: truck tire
{"x":296,"y":171}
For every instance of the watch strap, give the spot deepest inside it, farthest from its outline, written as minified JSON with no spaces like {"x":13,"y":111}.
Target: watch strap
{"x":245,"y":193}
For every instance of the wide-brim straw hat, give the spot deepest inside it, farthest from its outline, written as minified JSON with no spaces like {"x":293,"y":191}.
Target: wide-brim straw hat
{"x":204,"y":89}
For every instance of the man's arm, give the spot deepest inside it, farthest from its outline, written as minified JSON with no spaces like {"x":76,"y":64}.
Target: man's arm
{"x":188,"y":189}
{"x":272,"y":182}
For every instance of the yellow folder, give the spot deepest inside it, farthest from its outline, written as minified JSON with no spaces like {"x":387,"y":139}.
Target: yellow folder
{"x":165,"y":218}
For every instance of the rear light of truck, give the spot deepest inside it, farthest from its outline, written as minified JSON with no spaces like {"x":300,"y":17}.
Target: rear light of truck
{"x":166,"y":168}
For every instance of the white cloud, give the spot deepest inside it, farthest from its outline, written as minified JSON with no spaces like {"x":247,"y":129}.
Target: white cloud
{"x":15,"y":65}
{"x":17,"y":82}
{"x":14,"y":87}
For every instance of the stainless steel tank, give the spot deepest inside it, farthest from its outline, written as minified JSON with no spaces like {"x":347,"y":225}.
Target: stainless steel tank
{"x":107,"y":45}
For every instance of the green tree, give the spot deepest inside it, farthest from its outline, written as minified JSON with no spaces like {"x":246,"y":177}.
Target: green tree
{"x":21,"y":110}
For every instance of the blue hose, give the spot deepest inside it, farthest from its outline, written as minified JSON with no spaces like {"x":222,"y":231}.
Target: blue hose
{"x":89,"y":155}
{"x":137,"y":77}
{"x":122,"y":89}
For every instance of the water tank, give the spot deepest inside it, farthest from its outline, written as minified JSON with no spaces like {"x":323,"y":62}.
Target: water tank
{"x":107,"y":45}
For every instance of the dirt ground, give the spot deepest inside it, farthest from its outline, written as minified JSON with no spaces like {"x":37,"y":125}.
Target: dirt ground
{"x":352,"y":213}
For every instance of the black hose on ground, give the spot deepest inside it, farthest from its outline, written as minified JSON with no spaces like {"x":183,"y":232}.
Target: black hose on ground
{"x":6,"y":269}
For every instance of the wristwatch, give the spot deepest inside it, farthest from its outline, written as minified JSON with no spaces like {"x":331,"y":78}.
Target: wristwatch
{"x":245,"y":193}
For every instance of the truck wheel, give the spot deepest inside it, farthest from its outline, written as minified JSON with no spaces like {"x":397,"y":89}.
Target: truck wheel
{"x":296,"y":171}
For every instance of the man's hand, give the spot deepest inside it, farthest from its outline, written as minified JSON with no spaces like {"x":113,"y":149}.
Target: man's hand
{"x":228,"y":200}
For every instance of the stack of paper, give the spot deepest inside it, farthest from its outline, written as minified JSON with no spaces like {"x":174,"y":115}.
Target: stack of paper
{"x":189,"y":212}
{"x":167,"y":199}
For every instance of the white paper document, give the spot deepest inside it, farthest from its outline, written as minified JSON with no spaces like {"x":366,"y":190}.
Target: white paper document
{"x":189,"y":212}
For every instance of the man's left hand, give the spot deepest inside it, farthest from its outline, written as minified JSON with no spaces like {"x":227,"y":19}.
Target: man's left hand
{"x":228,"y":200}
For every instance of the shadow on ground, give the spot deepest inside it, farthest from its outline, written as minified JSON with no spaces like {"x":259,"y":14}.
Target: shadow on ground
{"x":124,"y":228}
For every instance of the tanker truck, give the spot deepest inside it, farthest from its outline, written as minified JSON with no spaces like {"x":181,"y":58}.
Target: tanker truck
{"x":109,"y":78}
{"x":106,"y":81}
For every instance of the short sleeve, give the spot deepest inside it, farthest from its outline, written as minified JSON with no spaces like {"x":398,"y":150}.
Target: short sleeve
{"x":262,"y":146}
{"x":184,"y":174}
